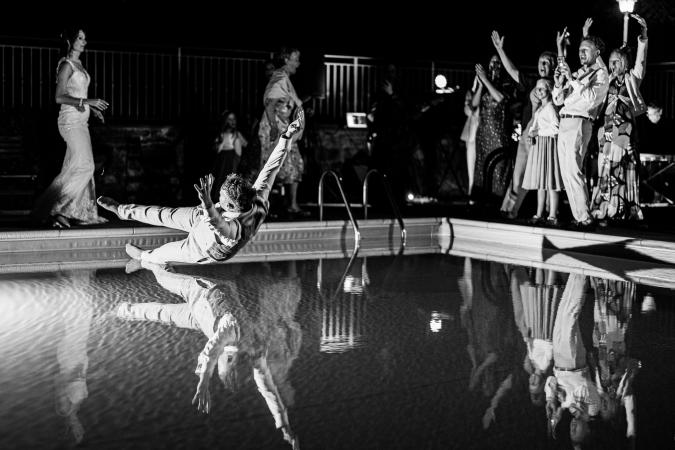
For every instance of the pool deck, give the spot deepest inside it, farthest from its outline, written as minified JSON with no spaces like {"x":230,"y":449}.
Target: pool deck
{"x":640,"y":256}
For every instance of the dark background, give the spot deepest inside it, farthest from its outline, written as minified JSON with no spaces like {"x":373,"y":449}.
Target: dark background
{"x":422,"y":29}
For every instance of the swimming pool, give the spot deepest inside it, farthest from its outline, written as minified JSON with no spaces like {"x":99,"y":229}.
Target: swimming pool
{"x":399,"y":351}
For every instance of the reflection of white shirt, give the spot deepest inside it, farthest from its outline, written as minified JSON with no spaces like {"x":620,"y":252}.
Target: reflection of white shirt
{"x":573,"y":387}
{"x":541,"y":354}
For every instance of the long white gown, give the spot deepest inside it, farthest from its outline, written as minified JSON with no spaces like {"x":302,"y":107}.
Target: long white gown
{"x":72,"y":193}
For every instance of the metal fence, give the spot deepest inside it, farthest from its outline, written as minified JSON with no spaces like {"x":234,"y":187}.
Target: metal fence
{"x":164,"y":85}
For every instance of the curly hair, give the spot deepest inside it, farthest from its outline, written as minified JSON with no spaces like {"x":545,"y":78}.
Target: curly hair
{"x":239,"y":192}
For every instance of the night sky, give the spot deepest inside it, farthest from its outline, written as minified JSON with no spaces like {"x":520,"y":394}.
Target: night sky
{"x":418,"y":29}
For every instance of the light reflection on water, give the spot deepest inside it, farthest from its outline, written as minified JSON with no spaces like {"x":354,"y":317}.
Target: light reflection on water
{"x":383,"y":352}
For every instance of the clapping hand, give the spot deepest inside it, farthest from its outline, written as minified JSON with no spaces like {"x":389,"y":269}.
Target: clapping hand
{"x":204,"y":191}
{"x":480,"y":72}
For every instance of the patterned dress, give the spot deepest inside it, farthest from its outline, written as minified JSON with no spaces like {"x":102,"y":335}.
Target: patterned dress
{"x":492,"y":134}
{"x":616,"y":195}
{"x":281,"y":93}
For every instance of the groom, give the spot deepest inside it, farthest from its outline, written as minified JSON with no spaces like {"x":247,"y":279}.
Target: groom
{"x":215,"y":232}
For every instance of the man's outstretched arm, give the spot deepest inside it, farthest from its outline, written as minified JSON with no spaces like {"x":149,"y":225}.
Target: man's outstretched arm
{"x":263,"y":184}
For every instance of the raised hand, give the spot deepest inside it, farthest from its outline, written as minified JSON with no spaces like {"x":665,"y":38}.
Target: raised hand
{"x":295,"y":126}
{"x":587,"y":26}
{"x":643,"y":24}
{"x":560,"y":38}
{"x":497,"y":41}
{"x":388,"y":87}
{"x":204,"y":190}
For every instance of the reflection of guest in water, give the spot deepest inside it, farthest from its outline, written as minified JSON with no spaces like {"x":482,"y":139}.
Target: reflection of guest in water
{"x":536,"y":294}
{"x":492,"y":96}
{"x":493,"y":347}
{"x":616,"y":370}
{"x":266,"y":343}
{"x":71,"y":354}
{"x":571,"y":386}
{"x":228,"y":146}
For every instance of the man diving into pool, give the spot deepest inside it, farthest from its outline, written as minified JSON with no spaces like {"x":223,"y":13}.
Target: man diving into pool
{"x":216,"y":232}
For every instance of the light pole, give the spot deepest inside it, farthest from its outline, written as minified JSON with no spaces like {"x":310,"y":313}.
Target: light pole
{"x":626,"y":7}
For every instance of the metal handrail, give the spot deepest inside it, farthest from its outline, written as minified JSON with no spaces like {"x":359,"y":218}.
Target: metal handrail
{"x":385,"y":183}
{"x":338,"y":180}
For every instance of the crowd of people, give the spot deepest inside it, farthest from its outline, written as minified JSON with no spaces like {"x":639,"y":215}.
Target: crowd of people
{"x":565,"y":113}
{"x":562,"y":113}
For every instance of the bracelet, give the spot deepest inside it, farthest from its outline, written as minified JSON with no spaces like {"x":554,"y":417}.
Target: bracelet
{"x":81,"y":100}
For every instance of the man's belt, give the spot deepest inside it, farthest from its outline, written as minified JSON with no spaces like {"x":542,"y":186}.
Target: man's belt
{"x":573,"y":116}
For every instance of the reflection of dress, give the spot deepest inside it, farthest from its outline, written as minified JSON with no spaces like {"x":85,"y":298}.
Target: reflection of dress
{"x":491,"y":135}
{"x":281,"y":93}
{"x":72,"y":193}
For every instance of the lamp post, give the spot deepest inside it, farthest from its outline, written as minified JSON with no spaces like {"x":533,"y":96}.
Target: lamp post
{"x":626,"y":7}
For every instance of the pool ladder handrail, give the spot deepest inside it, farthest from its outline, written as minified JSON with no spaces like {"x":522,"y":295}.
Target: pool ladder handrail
{"x":338,"y":180}
{"x":387,"y":189}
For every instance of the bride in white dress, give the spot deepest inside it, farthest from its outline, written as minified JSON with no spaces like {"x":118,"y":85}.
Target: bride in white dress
{"x":71,"y":198}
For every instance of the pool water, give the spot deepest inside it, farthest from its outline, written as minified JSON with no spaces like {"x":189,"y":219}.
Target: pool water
{"x":410,"y":351}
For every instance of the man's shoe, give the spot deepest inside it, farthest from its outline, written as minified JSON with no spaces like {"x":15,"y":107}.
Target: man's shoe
{"x":109,"y":204}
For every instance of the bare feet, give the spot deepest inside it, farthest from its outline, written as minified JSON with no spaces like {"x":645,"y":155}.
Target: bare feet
{"x":133,"y":251}
{"x":109,"y":204}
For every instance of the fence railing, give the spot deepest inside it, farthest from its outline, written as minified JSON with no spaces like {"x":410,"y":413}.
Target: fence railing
{"x":165,"y":85}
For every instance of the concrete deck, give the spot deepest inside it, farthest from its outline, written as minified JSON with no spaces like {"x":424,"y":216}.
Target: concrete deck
{"x":642,"y":257}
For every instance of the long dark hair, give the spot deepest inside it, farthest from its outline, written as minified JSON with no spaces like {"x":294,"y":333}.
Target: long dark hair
{"x":67,"y":37}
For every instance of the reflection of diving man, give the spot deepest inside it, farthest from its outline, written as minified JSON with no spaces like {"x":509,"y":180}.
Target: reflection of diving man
{"x":216,"y":310}
{"x":571,"y":386}
{"x":71,"y":353}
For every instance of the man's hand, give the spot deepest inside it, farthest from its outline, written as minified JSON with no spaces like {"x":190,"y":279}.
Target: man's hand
{"x":202,"y":397}
{"x":204,"y":191}
{"x":295,"y":126}
{"x":587,"y":26}
{"x":388,"y":88}
{"x":497,"y":41}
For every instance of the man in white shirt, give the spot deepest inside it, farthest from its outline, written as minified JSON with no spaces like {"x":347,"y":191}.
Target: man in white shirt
{"x":216,"y":232}
{"x":581,"y":95}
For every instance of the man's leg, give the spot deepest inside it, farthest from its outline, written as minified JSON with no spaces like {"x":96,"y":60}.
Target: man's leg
{"x":183,"y":251}
{"x":568,"y":348}
{"x":515,"y":194}
{"x":176,"y":218}
{"x":573,"y":139}
{"x":179,"y":315}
